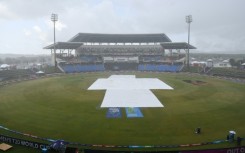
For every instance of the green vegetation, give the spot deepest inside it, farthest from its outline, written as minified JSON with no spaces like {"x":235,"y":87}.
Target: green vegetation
{"x":15,"y":74}
{"x":228,"y":72}
{"x":50,"y":70}
{"x":192,"y":69}
{"x":62,"y":108}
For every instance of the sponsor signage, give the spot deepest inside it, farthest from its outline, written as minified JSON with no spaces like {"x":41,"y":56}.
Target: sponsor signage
{"x":30,"y":144}
{"x":225,"y":150}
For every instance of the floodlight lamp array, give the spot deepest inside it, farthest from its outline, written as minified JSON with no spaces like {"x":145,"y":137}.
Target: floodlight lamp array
{"x":54,"y":17}
{"x":188,"y":18}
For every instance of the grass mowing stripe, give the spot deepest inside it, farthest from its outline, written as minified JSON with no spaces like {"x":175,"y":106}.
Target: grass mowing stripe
{"x":63,"y":108}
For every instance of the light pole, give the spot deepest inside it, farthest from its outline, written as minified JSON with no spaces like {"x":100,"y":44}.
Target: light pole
{"x":54,"y":18}
{"x":188,"y":20}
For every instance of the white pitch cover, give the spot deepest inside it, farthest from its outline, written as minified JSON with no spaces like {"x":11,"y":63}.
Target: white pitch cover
{"x":128,"y":91}
{"x":130,"y":98}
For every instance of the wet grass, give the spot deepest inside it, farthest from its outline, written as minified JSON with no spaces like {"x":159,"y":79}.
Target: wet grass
{"x":63,"y":108}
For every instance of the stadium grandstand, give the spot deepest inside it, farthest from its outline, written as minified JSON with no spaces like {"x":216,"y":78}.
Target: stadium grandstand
{"x":87,"y":52}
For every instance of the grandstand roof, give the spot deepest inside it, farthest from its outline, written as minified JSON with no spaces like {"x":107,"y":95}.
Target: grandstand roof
{"x":82,"y":38}
{"x":119,"y":38}
{"x":64,"y":45}
{"x":176,"y":45}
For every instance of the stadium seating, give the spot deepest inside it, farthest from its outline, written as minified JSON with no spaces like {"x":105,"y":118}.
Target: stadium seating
{"x":88,"y":58}
{"x":159,"y":68}
{"x":72,"y":68}
{"x":151,"y":58}
{"x":69,"y":68}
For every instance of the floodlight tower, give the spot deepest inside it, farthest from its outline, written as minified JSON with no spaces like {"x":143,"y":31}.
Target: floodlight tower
{"x":54,"y":18}
{"x":188,"y":20}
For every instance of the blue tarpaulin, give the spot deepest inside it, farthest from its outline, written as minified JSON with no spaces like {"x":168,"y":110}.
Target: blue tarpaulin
{"x":133,"y":112}
{"x":114,"y":112}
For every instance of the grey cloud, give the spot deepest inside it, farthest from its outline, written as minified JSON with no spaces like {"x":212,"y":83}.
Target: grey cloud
{"x":217,"y":25}
{"x":32,"y":9}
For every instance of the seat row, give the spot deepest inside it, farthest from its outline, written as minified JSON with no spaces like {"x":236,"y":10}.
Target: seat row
{"x":161,"y":68}
{"x":71,"y":68}
{"x":82,"y":68}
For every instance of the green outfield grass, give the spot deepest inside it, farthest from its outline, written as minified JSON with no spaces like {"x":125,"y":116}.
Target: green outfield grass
{"x":62,"y":108}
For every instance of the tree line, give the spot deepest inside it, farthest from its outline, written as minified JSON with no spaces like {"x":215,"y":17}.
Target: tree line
{"x":236,"y":63}
{"x":24,"y":60}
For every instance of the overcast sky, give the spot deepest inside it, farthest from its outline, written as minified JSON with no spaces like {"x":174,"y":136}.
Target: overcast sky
{"x":218,"y":25}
